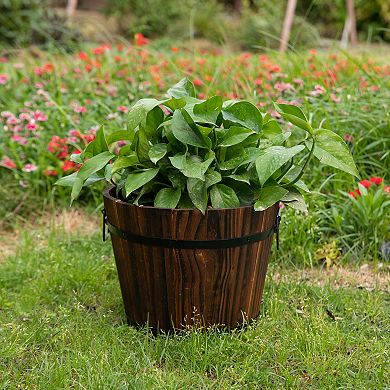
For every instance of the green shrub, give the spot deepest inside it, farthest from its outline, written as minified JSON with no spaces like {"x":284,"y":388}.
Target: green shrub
{"x":261,"y":26}
{"x":23,"y":22}
{"x":149,"y":17}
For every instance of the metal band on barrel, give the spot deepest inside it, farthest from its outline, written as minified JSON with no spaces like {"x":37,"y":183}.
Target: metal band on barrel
{"x":191,"y":244}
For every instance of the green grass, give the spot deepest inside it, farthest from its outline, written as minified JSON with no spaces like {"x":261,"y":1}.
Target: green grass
{"x":62,"y":326}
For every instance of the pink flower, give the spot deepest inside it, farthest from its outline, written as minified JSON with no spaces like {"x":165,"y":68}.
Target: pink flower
{"x":40,"y":116}
{"x":6,"y":114}
{"x":6,"y":162}
{"x":24,"y":116}
{"x":3,"y":79}
{"x":20,"y":140}
{"x":299,"y":82}
{"x":387,"y":189}
{"x":30,"y":168}
{"x":31,"y":126}
{"x":74,"y":133}
{"x":123,"y":109}
{"x":80,"y":109}
{"x":318,"y":90}
{"x":282,"y":87}
{"x":335,"y":98}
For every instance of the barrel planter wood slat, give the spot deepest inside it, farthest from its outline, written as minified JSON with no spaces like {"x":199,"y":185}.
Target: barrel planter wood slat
{"x":174,"y":288}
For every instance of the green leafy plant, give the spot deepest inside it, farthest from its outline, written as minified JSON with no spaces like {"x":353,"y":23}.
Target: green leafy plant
{"x":359,"y":218}
{"x":190,"y":153}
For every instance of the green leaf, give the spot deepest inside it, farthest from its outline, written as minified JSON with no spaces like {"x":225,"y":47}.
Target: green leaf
{"x":234,"y":135}
{"x":186,"y":134}
{"x":90,"y":167}
{"x":294,"y":115}
{"x":268,"y":196}
{"x":292,"y":174}
{"x":273,"y":158}
{"x":125,"y":150}
{"x":331,"y":150}
{"x":244,"y":114}
{"x":212,"y":177}
{"x":124,"y":162}
{"x":295,"y":200}
{"x":154,"y":118}
{"x":94,"y":164}
{"x":197,"y":192}
{"x":177,"y":179}
{"x":271,"y":129}
{"x":137,"y":180}
{"x":120,"y":135}
{"x":192,"y":166}
{"x":208,"y":111}
{"x":178,"y":160}
{"x":141,"y":145}
{"x":140,"y":110}
{"x":175,"y":104}
{"x":183,"y":88}
{"x":223,"y":197}
{"x":68,"y":181}
{"x":98,"y":145}
{"x":157,"y":152}
{"x":77,"y":158}
{"x":244,"y":178}
{"x":167,"y":198}
{"x":185,"y":202}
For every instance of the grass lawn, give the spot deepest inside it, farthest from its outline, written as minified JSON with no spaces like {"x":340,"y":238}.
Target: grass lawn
{"x":62,"y":325}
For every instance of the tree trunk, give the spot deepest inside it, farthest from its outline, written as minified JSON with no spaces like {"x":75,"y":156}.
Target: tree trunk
{"x":71,"y":7}
{"x":288,"y":21}
{"x":352,"y":22}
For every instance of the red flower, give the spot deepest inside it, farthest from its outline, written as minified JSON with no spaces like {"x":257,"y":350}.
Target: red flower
{"x":376,"y":180}
{"x":197,"y":82}
{"x":174,"y":49}
{"x":366,"y":183}
{"x":123,"y":109}
{"x":50,"y":172}
{"x":140,"y":39}
{"x":7,"y":163}
{"x":352,"y":193}
{"x":83,"y":56}
{"x":68,"y":165}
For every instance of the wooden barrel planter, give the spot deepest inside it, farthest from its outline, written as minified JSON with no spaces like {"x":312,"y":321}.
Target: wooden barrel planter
{"x":178,"y":268}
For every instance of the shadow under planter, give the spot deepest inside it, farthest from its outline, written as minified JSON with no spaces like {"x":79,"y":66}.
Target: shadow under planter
{"x":179,"y":268}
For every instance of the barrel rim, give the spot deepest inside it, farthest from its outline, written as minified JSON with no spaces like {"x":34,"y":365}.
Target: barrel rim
{"x":107,"y":194}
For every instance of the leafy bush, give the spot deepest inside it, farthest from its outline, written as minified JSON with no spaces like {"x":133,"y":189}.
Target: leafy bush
{"x":372,"y":17}
{"x":23,"y":22}
{"x":261,"y":25}
{"x":190,"y":153}
{"x":149,"y":17}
